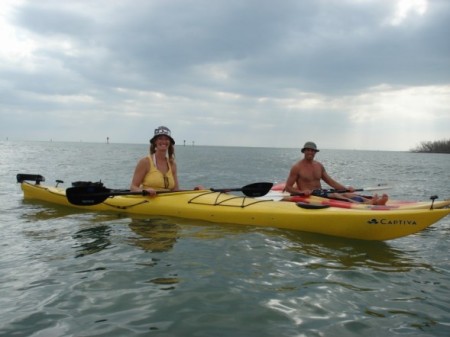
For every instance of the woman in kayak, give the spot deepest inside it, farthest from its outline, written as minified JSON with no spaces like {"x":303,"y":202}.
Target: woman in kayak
{"x":305,"y":176}
{"x":158,"y":170}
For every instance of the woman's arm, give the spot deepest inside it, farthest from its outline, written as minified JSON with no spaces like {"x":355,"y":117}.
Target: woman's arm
{"x":140,"y":171}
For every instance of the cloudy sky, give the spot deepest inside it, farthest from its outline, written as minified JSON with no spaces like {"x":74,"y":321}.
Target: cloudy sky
{"x":348,"y":74}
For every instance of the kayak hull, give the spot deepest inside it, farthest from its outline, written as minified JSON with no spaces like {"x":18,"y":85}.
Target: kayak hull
{"x":227,"y":208}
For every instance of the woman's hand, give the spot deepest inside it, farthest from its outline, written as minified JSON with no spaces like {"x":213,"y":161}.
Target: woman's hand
{"x":150,"y":191}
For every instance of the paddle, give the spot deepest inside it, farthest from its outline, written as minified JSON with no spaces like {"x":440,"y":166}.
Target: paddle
{"x":95,"y":194}
{"x":37,"y":178}
{"x":325,"y":192}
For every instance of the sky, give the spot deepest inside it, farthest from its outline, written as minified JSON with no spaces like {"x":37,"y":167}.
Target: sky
{"x":346,"y":74}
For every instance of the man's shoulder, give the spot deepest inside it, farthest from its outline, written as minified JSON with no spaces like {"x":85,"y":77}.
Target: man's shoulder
{"x":318,"y":164}
{"x":308,"y":162}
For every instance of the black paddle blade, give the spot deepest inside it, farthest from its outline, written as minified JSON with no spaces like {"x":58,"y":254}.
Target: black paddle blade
{"x":257,"y":189}
{"x":87,"y":195}
{"x":37,"y":178}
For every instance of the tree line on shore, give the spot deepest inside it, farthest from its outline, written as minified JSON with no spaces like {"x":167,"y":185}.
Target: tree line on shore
{"x":438,"y":146}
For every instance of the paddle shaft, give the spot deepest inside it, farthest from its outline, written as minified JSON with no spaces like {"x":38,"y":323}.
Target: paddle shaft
{"x":325,"y":192}
{"x":93,"y":195}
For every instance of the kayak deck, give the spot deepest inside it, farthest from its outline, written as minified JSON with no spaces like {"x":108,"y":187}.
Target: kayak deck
{"x":390,"y":205}
{"x":227,"y":208}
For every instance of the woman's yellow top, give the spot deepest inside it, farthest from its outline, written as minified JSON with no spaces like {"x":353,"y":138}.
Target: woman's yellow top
{"x":156,"y":179}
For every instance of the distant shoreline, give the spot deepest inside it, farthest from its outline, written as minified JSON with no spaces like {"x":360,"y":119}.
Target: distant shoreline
{"x":439,"y":146}
{"x":420,"y":149}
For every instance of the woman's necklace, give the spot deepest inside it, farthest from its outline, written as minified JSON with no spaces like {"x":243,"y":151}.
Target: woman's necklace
{"x":165,"y":168}
{"x":166,"y":179}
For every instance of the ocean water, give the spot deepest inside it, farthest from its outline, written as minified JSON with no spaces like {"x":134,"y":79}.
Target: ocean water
{"x":66,"y":272}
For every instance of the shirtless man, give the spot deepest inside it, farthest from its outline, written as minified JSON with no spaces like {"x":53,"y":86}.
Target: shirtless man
{"x":305,"y":176}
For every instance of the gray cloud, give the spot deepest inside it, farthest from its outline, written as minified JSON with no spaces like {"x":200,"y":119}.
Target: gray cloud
{"x":216,"y":68}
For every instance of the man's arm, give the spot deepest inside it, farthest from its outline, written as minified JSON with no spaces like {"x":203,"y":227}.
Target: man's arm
{"x":291,"y":180}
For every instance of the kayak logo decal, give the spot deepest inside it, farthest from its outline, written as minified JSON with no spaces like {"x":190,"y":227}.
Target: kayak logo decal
{"x":384,"y":221}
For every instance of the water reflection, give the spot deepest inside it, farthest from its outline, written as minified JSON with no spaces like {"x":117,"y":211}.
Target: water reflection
{"x":39,"y":210}
{"x":338,"y":253}
{"x":154,"y":234}
{"x":92,"y":240}
{"x":161,"y":234}
{"x":158,"y":235}
{"x":54,"y":222}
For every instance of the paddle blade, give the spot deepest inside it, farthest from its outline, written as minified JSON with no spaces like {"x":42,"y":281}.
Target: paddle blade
{"x":87,"y":195}
{"x":257,"y":189}
{"x":37,"y":178}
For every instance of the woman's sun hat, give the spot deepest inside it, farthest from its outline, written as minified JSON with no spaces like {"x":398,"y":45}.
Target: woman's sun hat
{"x":162,"y":131}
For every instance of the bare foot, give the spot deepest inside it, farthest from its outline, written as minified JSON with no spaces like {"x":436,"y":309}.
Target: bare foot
{"x":380,"y":201}
{"x":383,"y":200}
{"x":374,"y":199}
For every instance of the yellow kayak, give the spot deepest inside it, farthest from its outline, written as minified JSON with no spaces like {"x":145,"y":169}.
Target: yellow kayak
{"x":226,"y":208}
